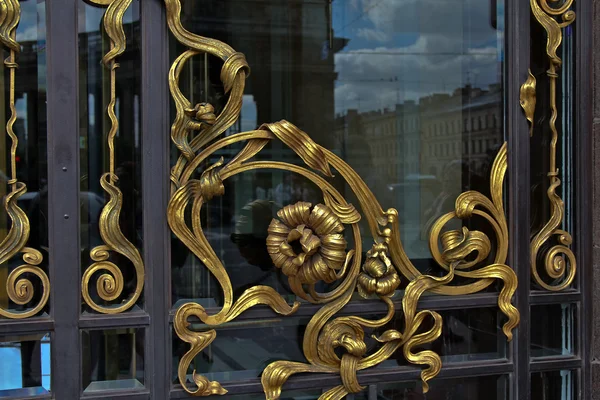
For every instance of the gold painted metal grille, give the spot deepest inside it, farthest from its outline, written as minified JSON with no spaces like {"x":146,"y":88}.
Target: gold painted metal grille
{"x":558,"y":260}
{"x":110,"y":283}
{"x":319,"y":230}
{"x":20,"y":289}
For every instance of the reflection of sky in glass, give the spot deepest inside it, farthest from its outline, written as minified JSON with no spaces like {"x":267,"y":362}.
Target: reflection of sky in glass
{"x":91,"y":19}
{"x":10,"y":368}
{"x":32,"y":30}
{"x":11,"y":365}
{"x":248,"y":114}
{"x":46,"y":362}
{"x":21,"y":106}
{"x":406,"y":49}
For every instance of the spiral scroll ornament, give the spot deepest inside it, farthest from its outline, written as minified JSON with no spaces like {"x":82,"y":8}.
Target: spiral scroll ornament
{"x":20,"y":288}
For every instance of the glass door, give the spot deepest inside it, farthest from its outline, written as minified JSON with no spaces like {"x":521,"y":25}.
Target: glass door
{"x":301,"y":199}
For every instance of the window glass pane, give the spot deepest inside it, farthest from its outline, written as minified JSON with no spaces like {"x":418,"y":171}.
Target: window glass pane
{"x":410,"y":94}
{"x":482,"y":387}
{"x":25,"y":365}
{"x":285,"y":395}
{"x":95,"y":126}
{"x":30,"y":156}
{"x":554,"y":385}
{"x":113,"y":359}
{"x":244,"y":348}
{"x":401,"y":91}
{"x":553,"y":330}
{"x":467,"y":335}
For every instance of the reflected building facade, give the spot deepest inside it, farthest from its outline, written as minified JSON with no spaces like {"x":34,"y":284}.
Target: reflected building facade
{"x":427,"y":153}
{"x":421,"y":139}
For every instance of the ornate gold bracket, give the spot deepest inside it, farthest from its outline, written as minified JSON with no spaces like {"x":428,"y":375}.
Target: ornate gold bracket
{"x":559,"y":261}
{"x":20,"y":290}
{"x":110,"y":284}
{"x":319,"y":231}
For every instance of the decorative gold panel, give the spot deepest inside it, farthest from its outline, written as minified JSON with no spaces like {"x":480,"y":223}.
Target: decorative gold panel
{"x":110,"y":283}
{"x":559,"y":261}
{"x":20,"y":289}
{"x":319,"y":229}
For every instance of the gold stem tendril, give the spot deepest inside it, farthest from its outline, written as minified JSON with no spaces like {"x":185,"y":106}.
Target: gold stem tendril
{"x":559,"y":260}
{"x":109,"y":277}
{"x":19,"y":287}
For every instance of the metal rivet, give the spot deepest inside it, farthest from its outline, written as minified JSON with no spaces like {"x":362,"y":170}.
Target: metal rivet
{"x":64,"y":169}
{"x":66,"y":216}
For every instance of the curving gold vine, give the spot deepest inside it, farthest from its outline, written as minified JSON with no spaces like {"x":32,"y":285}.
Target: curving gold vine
{"x":559,"y":261}
{"x":307,"y":241}
{"x":20,"y":289}
{"x":110,"y":283}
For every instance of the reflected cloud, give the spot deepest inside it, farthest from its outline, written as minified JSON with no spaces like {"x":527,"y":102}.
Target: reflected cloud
{"x":432,"y":46}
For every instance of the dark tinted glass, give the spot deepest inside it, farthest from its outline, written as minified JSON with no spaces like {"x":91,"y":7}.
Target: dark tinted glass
{"x":483,"y":387}
{"x":113,"y":359}
{"x":244,"y":348}
{"x":553,"y":330}
{"x":554,"y":385}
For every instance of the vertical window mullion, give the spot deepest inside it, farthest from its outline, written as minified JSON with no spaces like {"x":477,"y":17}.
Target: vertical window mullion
{"x":63,"y":195}
{"x":155,"y":191}
{"x":584,"y":169}
{"x":517,"y":61}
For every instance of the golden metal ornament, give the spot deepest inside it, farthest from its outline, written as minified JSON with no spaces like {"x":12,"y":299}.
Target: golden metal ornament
{"x":20,"y":289}
{"x":319,"y":233}
{"x":559,"y":261}
{"x":321,"y":254}
{"x":528,"y":98}
{"x":110,"y":283}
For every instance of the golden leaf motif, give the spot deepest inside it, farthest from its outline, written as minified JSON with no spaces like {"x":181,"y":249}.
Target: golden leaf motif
{"x":347,"y":213}
{"x":110,"y":284}
{"x":211,"y":184}
{"x":18,"y":235}
{"x":10,"y":15}
{"x":544,"y":13}
{"x":528,"y":99}
{"x":413,"y":321}
{"x":113,"y":25}
{"x":302,"y":145}
{"x":199,"y":341}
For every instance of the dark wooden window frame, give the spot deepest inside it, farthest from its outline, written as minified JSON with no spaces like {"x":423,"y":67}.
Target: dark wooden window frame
{"x":66,"y":322}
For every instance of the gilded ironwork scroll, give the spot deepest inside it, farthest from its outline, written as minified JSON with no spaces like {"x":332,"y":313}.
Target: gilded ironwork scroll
{"x":109,"y":284}
{"x":308,"y":242}
{"x":19,"y":287}
{"x":559,"y":261}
